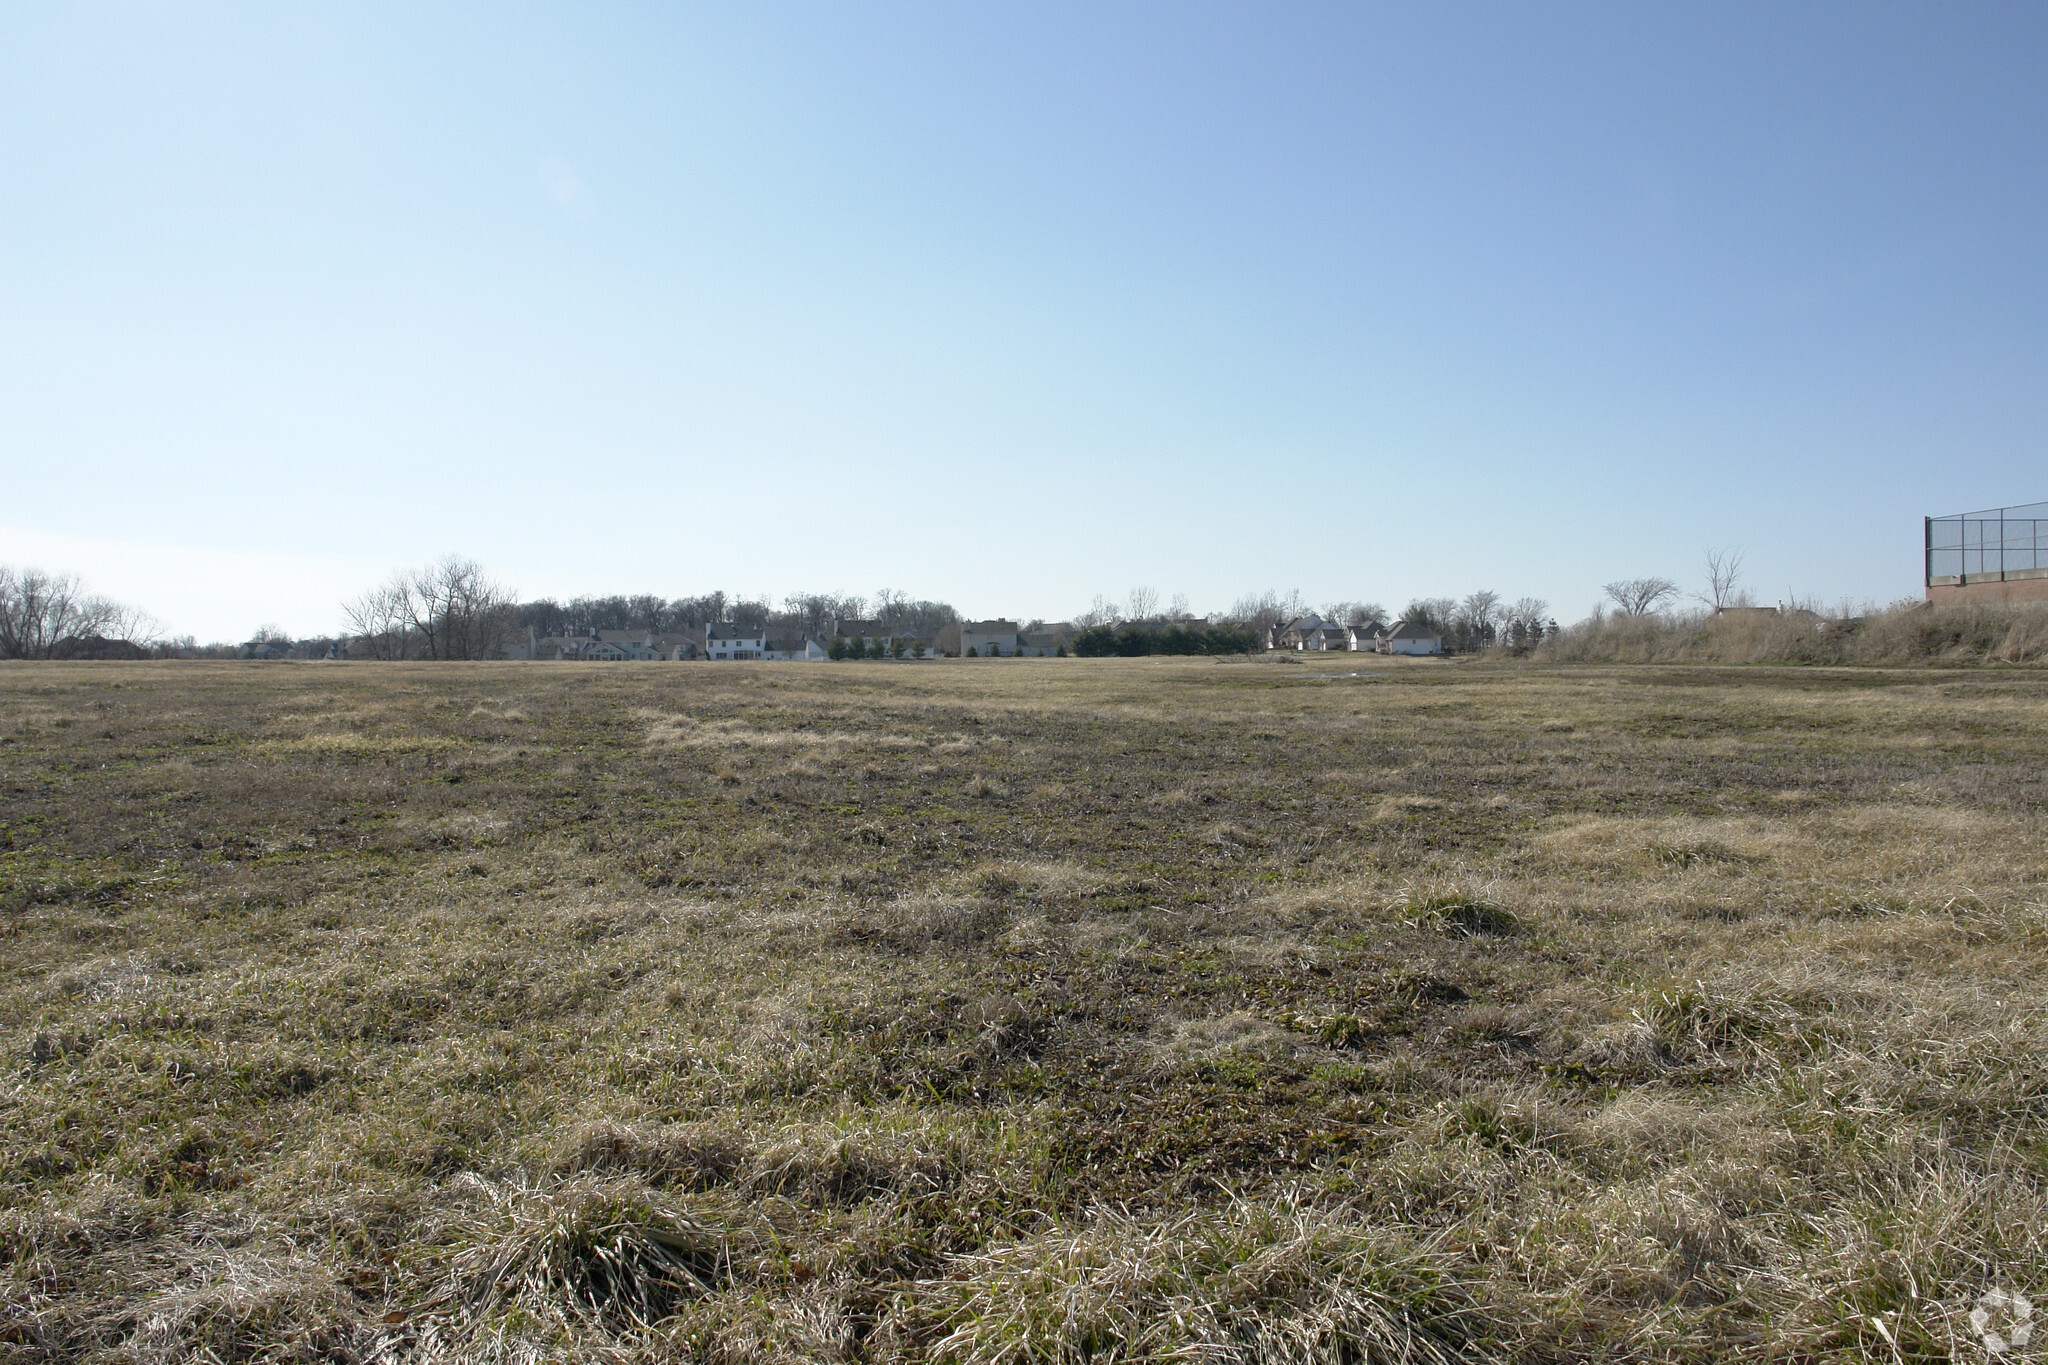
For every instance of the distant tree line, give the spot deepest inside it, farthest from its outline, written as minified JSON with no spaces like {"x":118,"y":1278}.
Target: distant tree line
{"x":1134,"y":638}
{"x":803,"y":613}
{"x":41,"y":614}
{"x":455,"y":610}
{"x":1484,"y":620}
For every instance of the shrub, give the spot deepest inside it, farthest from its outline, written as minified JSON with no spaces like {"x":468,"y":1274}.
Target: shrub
{"x":1135,"y":639}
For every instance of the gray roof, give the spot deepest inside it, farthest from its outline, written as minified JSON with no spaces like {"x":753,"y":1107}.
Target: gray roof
{"x":1412,"y":630}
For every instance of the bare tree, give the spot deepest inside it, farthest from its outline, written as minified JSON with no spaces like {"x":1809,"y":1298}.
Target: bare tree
{"x":1261,"y":612}
{"x":476,"y":610}
{"x":419,"y":598}
{"x":1354,"y":614}
{"x":922,"y":619}
{"x":1523,"y":626}
{"x":1724,"y":571}
{"x":751,"y":611}
{"x":1144,"y":601}
{"x":379,"y":623}
{"x":1357,"y":614}
{"x":1640,"y":596}
{"x":39,"y":609}
{"x":1479,"y":616}
{"x":543,"y":616}
{"x":1179,"y":609}
{"x":1101,"y":612}
{"x":1435,"y":612}
{"x":449,"y":610}
{"x":703,"y":610}
{"x":643,"y":611}
{"x":819,"y":613}
{"x":611,"y":612}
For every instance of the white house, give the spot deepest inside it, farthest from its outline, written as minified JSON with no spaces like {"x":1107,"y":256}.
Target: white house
{"x":988,"y":639}
{"x":1368,"y":636}
{"x":1411,"y":637}
{"x":723,"y":641}
{"x":1312,"y":633}
{"x":1045,"y":642}
{"x":788,"y":648}
{"x":1327,"y":636}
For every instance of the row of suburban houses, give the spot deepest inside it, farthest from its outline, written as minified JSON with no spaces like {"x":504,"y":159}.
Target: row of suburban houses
{"x":1313,"y":633}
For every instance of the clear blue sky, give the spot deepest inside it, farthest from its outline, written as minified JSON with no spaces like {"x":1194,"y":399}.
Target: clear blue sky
{"x":1013,"y":304}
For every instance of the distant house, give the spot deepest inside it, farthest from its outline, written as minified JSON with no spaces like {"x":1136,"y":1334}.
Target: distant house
{"x":1292,"y":633}
{"x":549,"y":647}
{"x":1366,"y":637}
{"x":617,"y":651}
{"x":649,"y":646}
{"x":988,"y":639}
{"x":788,"y":646}
{"x":1326,"y":636}
{"x":610,"y":646}
{"x":1045,"y":641}
{"x":722,"y":641}
{"x":1312,"y":633}
{"x":1411,"y":637}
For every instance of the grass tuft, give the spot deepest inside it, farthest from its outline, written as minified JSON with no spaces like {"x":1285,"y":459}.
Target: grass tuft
{"x":1245,"y":1283}
{"x":583,"y":1250}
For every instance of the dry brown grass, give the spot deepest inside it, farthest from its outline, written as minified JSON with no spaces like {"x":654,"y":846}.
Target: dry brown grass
{"x":1905,"y":633}
{"x":1047,"y":1010}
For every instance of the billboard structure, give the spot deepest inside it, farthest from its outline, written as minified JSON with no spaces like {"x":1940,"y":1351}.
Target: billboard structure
{"x":1995,"y":556}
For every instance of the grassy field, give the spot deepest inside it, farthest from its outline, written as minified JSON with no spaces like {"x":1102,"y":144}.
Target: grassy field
{"x":1039,"y":1010}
